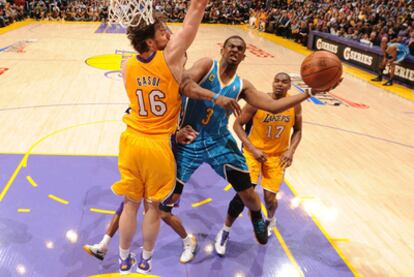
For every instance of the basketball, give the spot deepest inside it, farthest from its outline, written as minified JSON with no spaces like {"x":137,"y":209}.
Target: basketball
{"x":321,"y":70}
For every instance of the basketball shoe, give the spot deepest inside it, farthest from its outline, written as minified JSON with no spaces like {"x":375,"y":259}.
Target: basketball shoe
{"x":125,"y":266}
{"x":96,"y":250}
{"x":260,"y":229}
{"x":190,"y":248}
{"x":221,"y":242}
{"x":144,"y":265}
{"x":270,"y":224}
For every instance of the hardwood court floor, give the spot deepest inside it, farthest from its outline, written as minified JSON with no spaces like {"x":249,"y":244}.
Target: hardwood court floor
{"x":353,"y":170}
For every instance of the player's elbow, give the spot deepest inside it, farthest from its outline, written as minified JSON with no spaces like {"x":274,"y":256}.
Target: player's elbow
{"x":185,"y":86}
{"x":237,"y":125}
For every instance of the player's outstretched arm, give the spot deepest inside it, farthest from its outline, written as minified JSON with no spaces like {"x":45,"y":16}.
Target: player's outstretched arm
{"x":183,"y":38}
{"x":263,"y":101}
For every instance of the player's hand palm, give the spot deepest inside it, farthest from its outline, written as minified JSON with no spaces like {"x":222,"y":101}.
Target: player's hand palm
{"x":316,"y":91}
{"x":229,"y":104}
{"x":186,"y":135}
{"x":259,"y":155}
{"x":286,"y":159}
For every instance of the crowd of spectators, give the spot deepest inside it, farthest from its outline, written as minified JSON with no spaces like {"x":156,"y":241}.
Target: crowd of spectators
{"x":366,"y":21}
{"x":217,"y":11}
{"x":77,"y":10}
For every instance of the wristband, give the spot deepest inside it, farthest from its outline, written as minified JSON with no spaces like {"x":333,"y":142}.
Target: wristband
{"x":215,"y":97}
{"x":309,"y":91}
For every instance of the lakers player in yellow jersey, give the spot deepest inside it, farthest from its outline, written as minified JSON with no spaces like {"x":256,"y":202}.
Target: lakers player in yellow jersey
{"x":268,"y":145}
{"x":146,"y":162}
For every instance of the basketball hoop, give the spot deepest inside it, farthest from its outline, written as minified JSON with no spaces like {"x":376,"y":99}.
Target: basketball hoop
{"x":123,"y":12}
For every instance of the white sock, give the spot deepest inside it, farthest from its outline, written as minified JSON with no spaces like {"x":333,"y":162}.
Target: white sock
{"x":226,"y":228}
{"x":123,"y":253}
{"x":187,"y":239}
{"x":146,"y":254}
{"x":271,"y":219}
{"x":105,"y":240}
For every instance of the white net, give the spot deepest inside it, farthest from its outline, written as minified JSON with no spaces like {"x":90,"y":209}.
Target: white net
{"x":123,"y":12}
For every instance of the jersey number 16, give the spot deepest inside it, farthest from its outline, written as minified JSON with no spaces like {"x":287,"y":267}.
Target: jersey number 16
{"x":157,"y":107}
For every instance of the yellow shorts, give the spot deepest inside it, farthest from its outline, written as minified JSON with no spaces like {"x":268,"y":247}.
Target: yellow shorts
{"x":270,"y":173}
{"x":147,"y":167}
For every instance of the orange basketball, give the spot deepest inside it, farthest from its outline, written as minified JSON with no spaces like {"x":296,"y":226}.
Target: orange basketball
{"x":321,"y":70}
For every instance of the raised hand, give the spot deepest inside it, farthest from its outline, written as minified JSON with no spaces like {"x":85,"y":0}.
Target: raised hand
{"x":229,"y":104}
{"x":316,"y":91}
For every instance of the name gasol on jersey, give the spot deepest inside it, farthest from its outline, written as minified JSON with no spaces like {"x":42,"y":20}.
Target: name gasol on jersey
{"x":276,"y":118}
{"x":148,"y":81}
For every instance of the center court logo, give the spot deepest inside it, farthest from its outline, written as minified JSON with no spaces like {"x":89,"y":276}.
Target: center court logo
{"x":110,"y":62}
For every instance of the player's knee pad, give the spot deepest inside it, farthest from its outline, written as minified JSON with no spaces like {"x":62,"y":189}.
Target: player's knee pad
{"x":238,"y":179}
{"x":236,"y":207}
{"x":178,"y":187}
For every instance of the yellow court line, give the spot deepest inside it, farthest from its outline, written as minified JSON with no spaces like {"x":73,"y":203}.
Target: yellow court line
{"x":102,"y":211}
{"x":23,"y":162}
{"x":287,"y":251}
{"x":339,"y":240}
{"x":16,"y":25}
{"x":205,"y":201}
{"x":338,"y":250}
{"x":68,"y":22}
{"x":352,"y":70}
{"x":33,"y":183}
{"x":60,"y":154}
{"x":284,"y":245}
{"x":119,"y":275}
{"x":23,"y":210}
{"x":58,"y":199}
{"x":226,"y":188}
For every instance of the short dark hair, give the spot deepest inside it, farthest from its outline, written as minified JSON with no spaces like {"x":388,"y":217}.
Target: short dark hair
{"x":234,"y":37}
{"x":139,"y":33}
{"x":285,"y":74}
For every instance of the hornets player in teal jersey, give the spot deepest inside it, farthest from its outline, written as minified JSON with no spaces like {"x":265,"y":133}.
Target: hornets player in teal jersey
{"x":394,"y":53}
{"x":214,"y":144}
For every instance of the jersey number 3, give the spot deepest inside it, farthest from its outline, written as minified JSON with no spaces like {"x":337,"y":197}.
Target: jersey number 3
{"x":157,"y":107}
{"x":206,"y":119}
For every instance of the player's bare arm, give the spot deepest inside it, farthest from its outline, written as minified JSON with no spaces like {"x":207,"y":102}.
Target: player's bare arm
{"x":287,"y":157}
{"x":246,"y":115}
{"x":263,"y":101}
{"x":190,"y":88}
{"x":182,"y":39}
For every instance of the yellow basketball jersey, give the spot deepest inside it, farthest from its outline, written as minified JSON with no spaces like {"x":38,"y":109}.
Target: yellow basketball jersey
{"x":270,"y":133}
{"x":154,"y":95}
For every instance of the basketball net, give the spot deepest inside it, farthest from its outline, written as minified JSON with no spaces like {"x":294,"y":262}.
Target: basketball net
{"x":123,"y":12}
